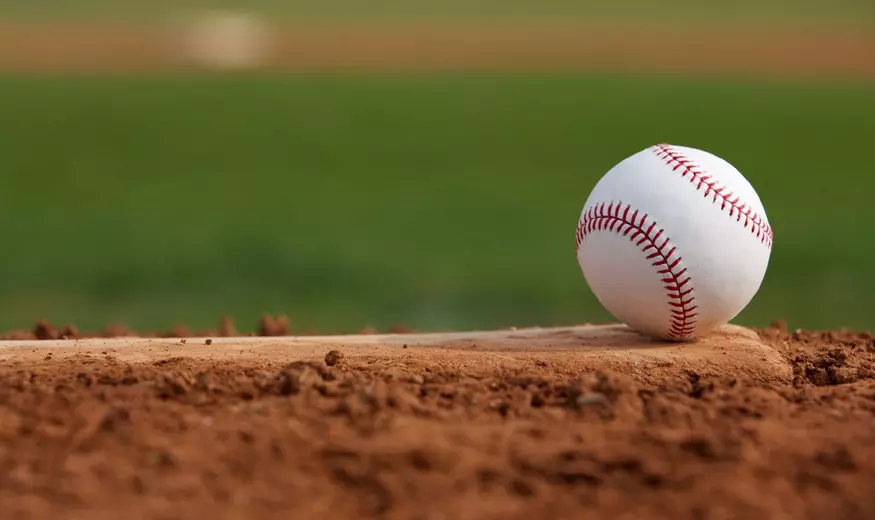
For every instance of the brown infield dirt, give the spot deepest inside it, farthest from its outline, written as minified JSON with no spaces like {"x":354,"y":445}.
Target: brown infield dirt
{"x":576,"y":422}
{"x":823,"y":53}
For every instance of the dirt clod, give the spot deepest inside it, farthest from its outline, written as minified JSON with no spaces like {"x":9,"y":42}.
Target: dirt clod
{"x":274,"y":326}
{"x":69,"y":332}
{"x":44,"y":331}
{"x":227,"y":328}
{"x":116,"y":330}
{"x":333,"y":357}
{"x":591,"y":399}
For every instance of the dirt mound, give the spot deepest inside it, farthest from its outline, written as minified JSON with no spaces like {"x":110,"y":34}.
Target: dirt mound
{"x":363,"y":437}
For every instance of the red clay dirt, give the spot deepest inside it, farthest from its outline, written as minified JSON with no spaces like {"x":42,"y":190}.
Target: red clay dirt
{"x":520,"y":427}
{"x":821,"y":53}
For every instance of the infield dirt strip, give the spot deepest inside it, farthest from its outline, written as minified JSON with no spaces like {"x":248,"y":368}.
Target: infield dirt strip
{"x":571,"y":46}
{"x":576,"y":422}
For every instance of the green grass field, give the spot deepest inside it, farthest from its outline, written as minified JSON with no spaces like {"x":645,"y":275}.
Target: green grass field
{"x":435,"y":201}
{"x":855,"y":12}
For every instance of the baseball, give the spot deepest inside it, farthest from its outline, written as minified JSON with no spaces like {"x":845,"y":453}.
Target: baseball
{"x":674,"y":242}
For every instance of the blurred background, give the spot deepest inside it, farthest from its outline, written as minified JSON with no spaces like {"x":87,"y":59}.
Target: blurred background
{"x":409,"y":163}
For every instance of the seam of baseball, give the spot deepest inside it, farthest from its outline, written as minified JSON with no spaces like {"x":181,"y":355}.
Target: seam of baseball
{"x":664,"y":256}
{"x":676,"y":160}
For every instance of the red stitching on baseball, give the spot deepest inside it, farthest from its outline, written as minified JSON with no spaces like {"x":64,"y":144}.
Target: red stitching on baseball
{"x":660,"y":253}
{"x":700,"y":179}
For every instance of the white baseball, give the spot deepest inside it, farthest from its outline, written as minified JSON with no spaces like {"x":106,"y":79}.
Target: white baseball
{"x":674,"y":242}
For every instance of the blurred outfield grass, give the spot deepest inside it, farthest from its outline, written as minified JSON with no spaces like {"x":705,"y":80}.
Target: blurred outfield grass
{"x":436,"y":201}
{"x":846,"y":12}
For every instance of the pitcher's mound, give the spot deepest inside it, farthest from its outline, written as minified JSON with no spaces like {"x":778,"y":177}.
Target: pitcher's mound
{"x":732,"y":351}
{"x":512,"y":424}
